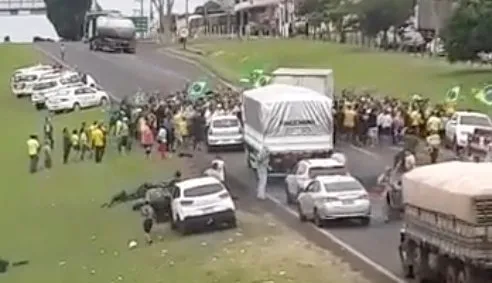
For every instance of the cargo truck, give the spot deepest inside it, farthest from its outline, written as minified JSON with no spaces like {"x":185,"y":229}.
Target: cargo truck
{"x":293,"y":122}
{"x":112,"y":32}
{"x":447,"y":232}
{"x":319,"y":80}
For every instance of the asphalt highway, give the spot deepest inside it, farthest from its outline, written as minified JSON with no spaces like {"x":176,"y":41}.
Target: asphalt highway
{"x":151,"y":69}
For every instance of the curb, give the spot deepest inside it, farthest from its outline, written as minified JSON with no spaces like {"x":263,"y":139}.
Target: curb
{"x":195,"y":62}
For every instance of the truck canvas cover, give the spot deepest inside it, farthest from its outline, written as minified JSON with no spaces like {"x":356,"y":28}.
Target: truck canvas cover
{"x":461,"y":189}
{"x":286,"y":117}
{"x":319,"y":80}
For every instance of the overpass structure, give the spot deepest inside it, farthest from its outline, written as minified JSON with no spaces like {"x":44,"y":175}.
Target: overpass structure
{"x":22,"y":7}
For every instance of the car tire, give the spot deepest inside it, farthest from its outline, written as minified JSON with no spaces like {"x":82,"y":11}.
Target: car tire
{"x":288,"y":196}
{"x":76,"y":106}
{"x":365,"y":221}
{"x":183,"y":227}
{"x":103,"y":102}
{"x":302,"y":217}
{"x":233,"y":223}
{"x":317,"y":219}
{"x":173,"y":223}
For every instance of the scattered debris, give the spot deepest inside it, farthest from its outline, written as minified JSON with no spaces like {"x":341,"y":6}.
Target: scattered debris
{"x":282,"y":273}
{"x":116,"y":253}
{"x":204,"y":244}
{"x":62,"y":263}
{"x":102,"y":251}
{"x":93,"y":271}
{"x":171,"y":263}
{"x":119,"y":278}
{"x":132,"y":244}
{"x":239,"y":234}
{"x":93,"y":237}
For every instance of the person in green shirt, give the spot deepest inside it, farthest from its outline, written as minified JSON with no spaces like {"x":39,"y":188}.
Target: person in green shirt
{"x":33,"y":152}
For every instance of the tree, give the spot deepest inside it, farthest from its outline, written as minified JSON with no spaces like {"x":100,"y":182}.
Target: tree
{"x":468,"y":30}
{"x":336,"y":11}
{"x":67,"y":16}
{"x":378,"y":15}
{"x":159,"y":5}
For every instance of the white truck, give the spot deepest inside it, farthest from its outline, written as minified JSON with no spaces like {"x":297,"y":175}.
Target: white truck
{"x":447,"y":232}
{"x":293,"y":122}
{"x":319,"y":80}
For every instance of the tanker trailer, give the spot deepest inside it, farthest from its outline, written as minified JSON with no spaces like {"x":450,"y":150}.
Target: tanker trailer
{"x":113,"y":33}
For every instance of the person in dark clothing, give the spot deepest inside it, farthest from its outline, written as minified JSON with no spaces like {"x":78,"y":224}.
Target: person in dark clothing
{"x":48,"y":131}
{"x":67,"y":145}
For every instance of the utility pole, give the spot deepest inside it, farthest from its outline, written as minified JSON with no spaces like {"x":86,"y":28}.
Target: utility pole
{"x":187,"y":13}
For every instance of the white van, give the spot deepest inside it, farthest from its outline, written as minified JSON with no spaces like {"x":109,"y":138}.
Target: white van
{"x":22,"y":84}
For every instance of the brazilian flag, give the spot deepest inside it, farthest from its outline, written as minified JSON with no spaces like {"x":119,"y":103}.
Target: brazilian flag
{"x":485,"y":95}
{"x":255,"y":78}
{"x":453,"y":94}
{"x":198,"y":89}
{"x":263,"y":80}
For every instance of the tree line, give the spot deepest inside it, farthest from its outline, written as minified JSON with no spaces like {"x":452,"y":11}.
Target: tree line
{"x":466,"y":35}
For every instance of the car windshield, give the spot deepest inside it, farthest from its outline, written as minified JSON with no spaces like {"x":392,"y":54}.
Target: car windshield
{"x":70,"y":80}
{"x":204,"y":190}
{"x":475,"y":120}
{"x":28,"y":78}
{"x":326,"y":171}
{"x":347,"y":186}
{"x":43,"y":86}
{"x":225,"y":123}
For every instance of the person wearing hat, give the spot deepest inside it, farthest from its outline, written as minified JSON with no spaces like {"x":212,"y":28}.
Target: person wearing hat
{"x":33,"y":148}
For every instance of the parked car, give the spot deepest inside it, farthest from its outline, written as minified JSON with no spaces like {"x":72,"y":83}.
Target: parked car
{"x":201,"y":202}
{"x":77,"y":97}
{"x":22,"y":84}
{"x":334,"y":197}
{"x":41,"y":91}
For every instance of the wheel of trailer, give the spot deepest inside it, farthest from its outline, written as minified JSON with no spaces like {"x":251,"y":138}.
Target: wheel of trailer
{"x":103,"y":102}
{"x":418,"y":264}
{"x":463,"y":278}
{"x":405,"y":264}
{"x":451,"y":274}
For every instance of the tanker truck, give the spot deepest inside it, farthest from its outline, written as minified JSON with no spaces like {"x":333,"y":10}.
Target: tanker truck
{"x":112,"y":33}
{"x":447,"y":232}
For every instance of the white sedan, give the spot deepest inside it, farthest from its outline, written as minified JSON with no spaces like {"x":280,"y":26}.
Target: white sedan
{"x":308,"y":169}
{"x":334,"y":197}
{"x":75,"y":98}
{"x":201,"y":202}
{"x":461,"y":125}
{"x":224,"y":131}
{"x":41,"y":91}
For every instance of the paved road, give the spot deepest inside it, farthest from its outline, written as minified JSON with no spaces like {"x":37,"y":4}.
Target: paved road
{"x":123,"y":73}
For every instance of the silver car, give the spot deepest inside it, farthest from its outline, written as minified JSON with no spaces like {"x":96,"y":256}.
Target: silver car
{"x":334,"y":197}
{"x":224,"y":131}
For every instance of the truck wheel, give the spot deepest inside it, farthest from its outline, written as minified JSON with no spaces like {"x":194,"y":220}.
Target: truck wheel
{"x":302,"y":217}
{"x":419,"y":264}
{"x":317,"y":219}
{"x":451,"y":276}
{"x":405,"y":261}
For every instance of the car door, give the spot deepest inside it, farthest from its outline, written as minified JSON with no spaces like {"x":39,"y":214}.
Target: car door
{"x":83,"y":96}
{"x":305,"y":199}
{"x":451,"y":127}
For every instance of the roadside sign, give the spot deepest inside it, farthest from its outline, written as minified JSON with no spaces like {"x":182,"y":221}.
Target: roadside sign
{"x":141,"y":24}
{"x":184,"y":33}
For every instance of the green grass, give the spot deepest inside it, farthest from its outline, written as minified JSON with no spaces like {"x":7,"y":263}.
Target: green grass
{"x":397,"y":75}
{"x":53,"y":219}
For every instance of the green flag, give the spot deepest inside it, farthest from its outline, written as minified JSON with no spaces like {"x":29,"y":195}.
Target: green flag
{"x":485,"y":95}
{"x":255,"y":78}
{"x":453,"y":94}
{"x":262,"y":81}
{"x":198,"y":89}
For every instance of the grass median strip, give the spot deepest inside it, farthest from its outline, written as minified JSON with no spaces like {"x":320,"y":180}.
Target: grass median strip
{"x":393,"y":74}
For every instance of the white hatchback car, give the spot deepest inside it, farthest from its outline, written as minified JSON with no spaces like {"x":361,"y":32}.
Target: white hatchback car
{"x":308,"y":169}
{"x":201,"y":202}
{"x":224,"y":131}
{"x":461,"y":125}
{"x":334,"y":197}
{"x":77,"y":97}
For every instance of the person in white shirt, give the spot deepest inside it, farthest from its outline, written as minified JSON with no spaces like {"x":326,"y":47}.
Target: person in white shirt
{"x":214,"y":171}
{"x":385,"y":122}
{"x":410,"y":162}
{"x":221,"y":167}
{"x":162,"y":140}
{"x":340,"y":157}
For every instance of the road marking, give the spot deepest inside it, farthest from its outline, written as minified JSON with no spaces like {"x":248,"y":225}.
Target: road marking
{"x":342,"y":244}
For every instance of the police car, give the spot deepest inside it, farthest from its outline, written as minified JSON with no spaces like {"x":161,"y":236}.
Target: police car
{"x":42,"y":90}
{"x":22,"y":84}
{"x":76,"y":97}
{"x":201,"y":202}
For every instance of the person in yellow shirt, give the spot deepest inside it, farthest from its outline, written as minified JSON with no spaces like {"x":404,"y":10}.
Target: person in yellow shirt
{"x":98,"y":142}
{"x":415,"y":121}
{"x":434,"y":123}
{"x":182,"y":132}
{"x":349,"y":117}
{"x":33,"y":148}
